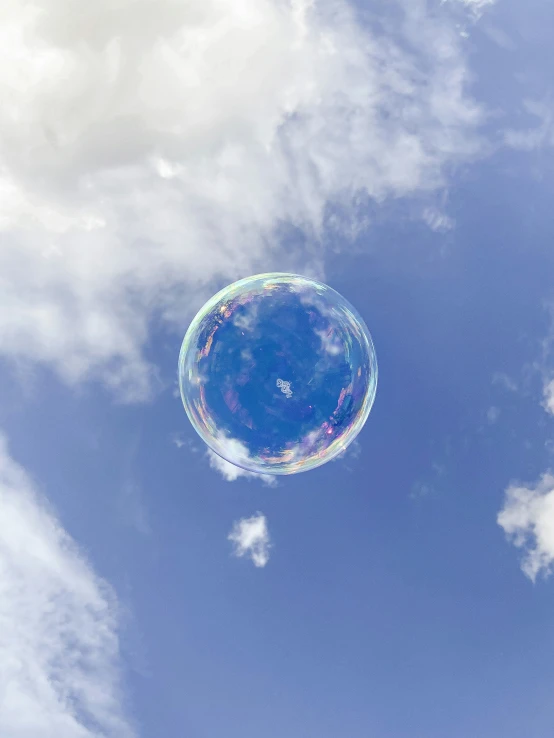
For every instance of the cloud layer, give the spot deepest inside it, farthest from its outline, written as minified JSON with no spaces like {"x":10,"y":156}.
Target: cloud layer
{"x":528,"y":520}
{"x":150,"y":146}
{"x":250,"y":538}
{"x":59,"y":649}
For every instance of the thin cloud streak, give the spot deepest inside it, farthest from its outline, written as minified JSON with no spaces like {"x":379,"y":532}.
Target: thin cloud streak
{"x":59,"y":651}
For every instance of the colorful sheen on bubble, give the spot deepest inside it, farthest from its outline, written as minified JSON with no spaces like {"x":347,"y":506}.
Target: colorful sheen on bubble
{"x":278,"y":373}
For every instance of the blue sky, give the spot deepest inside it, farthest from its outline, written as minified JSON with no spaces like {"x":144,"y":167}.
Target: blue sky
{"x":153,"y":153}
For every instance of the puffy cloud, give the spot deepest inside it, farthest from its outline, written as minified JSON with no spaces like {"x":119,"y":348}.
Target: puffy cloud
{"x":59,"y":672}
{"x":250,"y":537}
{"x":528,"y":520}
{"x":148,"y":147}
{"x":231,"y":473}
{"x":231,"y":447}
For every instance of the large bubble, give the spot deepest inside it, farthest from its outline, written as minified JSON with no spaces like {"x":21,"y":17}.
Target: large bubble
{"x":278,"y":373}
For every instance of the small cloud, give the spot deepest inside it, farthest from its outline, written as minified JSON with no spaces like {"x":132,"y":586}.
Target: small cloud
{"x":544,"y":366}
{"x":437,"y":220}
{"x":180,"y":442}
{"x":352,"y":452}
{"x":422,"y":489}
{"x":503,"y":380}
{"x":232,"y":448}
{"x":548,"y":393}
{"x":493,"y":413}
{"x":528,"y":521}
{"x":231,"y":473}
{"x":250,"y":537}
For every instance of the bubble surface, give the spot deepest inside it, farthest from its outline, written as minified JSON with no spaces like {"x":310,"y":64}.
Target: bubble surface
{"x":277,"y":373}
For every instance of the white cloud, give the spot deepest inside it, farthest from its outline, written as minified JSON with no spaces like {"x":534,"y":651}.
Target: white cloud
{"x":548,"y":391}
{"x":150,"y":147}
{"x":545,"y":364}
{"x":230,"y":447}
{"x":59,"y":653}
{"x":528,"y":520}
{"x":180,"y":442}
{"x":250,"y":537}
{"x":231,"y":473}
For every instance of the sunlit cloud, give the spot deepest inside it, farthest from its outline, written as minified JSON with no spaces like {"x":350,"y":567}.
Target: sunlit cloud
{"x":250,"y":538}
{"x":150,"y":149}
{"x":528,"y":520}
{"x":231,"y":473}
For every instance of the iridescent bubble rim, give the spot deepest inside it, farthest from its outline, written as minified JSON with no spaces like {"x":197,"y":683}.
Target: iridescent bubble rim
{"x":314,"y":448}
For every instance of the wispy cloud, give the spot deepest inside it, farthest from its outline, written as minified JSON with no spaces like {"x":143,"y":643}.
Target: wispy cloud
{"x":250,"y":538}
{"x":545,"y":364}
{"x":528,"y":520}
{"x":59,"y":653}
{"x":133,"y":508}
{"x":430,"y":487}
{"x":180,"y":442}
{"x":538,"y":136}
{"x":503,"y":380}
{"x":152,"y":148}
{"x":475,"y":7}
{"x":437,"y":220}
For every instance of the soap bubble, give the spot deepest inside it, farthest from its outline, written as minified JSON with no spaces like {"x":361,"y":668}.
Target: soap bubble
{"x":277,"y":373}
